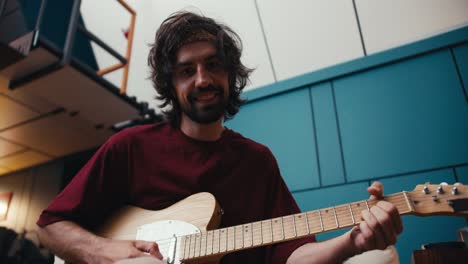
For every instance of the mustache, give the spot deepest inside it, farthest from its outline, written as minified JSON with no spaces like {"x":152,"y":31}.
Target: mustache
{"x":209,"y":88}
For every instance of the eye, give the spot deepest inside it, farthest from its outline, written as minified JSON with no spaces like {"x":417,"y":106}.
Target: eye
{"x":186,"y":71}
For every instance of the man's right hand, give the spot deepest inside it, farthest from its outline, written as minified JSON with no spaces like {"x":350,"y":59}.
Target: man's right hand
{"x":110,"y":251}
{"x":74,"y":244}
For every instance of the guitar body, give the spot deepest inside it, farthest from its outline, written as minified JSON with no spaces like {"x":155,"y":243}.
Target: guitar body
{"x":201,"y":211}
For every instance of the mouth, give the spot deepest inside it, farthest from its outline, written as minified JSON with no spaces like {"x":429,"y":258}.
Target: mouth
{"x":207,"y":97}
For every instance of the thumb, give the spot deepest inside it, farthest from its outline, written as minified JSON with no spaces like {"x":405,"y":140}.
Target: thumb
{"x":375,"y":190}
{"x":150,"y":247}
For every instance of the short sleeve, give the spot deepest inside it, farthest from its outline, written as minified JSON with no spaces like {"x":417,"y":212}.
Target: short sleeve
{"x":97,"y":189}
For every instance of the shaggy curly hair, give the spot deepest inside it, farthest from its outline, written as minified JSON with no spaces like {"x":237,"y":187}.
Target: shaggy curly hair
{"x":185,"y":27}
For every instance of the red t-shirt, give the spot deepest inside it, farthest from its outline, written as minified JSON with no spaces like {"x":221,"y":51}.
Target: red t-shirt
{"x":154,"y":166}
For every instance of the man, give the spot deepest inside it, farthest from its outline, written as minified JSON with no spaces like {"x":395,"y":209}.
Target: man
{"x":197,"y":72}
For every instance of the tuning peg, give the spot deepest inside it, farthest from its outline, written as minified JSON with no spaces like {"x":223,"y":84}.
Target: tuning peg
{"x":443,"y":183}
{"x":440,"y":190}
{"x":426,"y":190}
{"x":455,"y":190}
{"x":458,"y":184}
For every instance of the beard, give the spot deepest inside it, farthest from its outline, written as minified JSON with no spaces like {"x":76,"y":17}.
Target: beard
{"x":205,"y":113}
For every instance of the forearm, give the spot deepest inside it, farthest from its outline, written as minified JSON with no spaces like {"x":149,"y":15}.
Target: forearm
{"x":69,"y":241}
{"x":335,"y":250}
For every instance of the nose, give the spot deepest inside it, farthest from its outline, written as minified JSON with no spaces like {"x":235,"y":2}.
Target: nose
{"x":203,"y":77}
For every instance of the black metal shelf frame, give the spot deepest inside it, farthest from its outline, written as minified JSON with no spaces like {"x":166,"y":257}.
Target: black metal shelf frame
{"x":66,"y":54}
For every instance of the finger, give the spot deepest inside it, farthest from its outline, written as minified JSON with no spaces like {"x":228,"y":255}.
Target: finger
{"x":358,"y":238}
{"x":385,"y":224}
{"x":394,"y":214}
{"x":375,"y":229}
{"x":149,"y":247}
{"x":375,"y":190}
{"x":365,"y":239}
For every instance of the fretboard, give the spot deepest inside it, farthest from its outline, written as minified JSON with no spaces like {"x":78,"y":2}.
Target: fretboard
{"x":280,"y":229}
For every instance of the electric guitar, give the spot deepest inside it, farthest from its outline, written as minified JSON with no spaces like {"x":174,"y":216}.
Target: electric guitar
{"x":181,"y":230}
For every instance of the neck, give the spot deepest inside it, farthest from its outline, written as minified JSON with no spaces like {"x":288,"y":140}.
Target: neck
{"x":205,"y":132}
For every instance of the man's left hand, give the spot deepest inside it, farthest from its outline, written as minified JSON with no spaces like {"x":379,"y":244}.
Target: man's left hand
{"x":380,"y":225}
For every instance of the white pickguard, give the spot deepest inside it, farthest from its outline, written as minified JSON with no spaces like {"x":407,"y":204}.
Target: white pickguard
{"x":166,"y":234}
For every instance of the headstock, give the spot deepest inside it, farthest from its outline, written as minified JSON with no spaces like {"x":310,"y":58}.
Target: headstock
{"x":440,"y":199}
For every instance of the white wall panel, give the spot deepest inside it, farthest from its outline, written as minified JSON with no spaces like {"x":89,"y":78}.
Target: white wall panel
{"x":305,"y":35}
{"x":108,"y":20}
{"x":386,"y":24}
{"x":138,"y":83}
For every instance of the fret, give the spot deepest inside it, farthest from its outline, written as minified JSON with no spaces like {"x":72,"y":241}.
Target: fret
{"x":257,"y":233}
{"x":239,"y":237}
{"x":358,"y":207}
{"x":203,"y":243}
{"x":294,"y":225}
{"x":352,"y":214}
{"x":267,"y":232}
{"x":336,"y":218}
{"x":321,"y":220}
{"x":231,"y":238}
{"x":223,"y":240}
{"x":282,"y":228}
{"x":307,"y":223}
{"x":410,"y":206}
{"x":197,"y":245}
{"x":216,"y":241}
{"x":247,"y":235}
{"x":314,"y":221}
{"x":209,"y":243}
{"x":345,"y":217}
{"x":192,"y":246}
{"x":300,"y":223}
{"x":289,"y":227}
{"x":329,"y":218}
{"x":277,"y":229}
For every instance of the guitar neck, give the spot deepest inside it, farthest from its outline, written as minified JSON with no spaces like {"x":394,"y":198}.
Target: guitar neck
{"x":280,"y":229}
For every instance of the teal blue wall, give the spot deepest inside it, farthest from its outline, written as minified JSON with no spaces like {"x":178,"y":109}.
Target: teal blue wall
{"x":400,"y":117}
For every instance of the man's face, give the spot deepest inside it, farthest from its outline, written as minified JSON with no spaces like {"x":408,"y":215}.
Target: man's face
{"x":201,"y":82}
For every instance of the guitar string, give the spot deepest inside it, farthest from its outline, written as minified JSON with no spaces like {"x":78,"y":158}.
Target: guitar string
{"x":161,"y":242}
{"x":399,"y":201}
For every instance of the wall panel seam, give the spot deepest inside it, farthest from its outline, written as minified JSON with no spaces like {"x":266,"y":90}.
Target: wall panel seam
{"x":367,"y":180}
{"x":20,"y":202}
{"x":359,"y":27}
{"x":270,"y":58}
{"x":460,"y":77}
{"x":314,"y":129}
{"x":14,"y":153}
{"x":337,"y":121}
{"x":341,"y":70}
{"x":33,"y":175}
{"x":28,"y":147}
